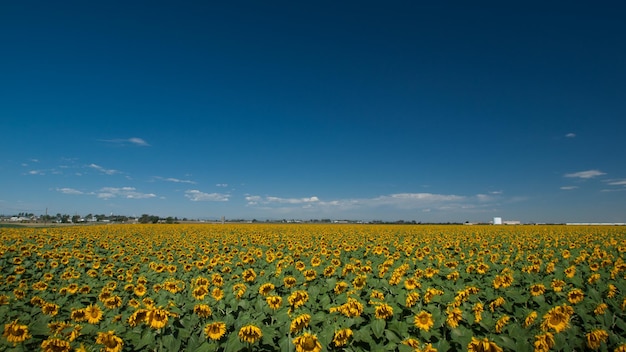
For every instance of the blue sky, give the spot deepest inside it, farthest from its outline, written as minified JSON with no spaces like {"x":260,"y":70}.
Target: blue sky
{"x":444,"y":111}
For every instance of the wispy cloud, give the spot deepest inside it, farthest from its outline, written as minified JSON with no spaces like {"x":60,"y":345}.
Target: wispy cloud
{"x":197,"y":196}
{"x":123,"y":192}
{"x":617,"y":185}
{"x":103,"y":170}
{"x":222,"y":185}
{"x":36,"y":172}
{"x":585,"y":174}
{"x":570,"y":135}
{"x":175,"y":180}
{"x":67,"y":190}
{"x":567,"y":188}
{"x":621,"y":182}
{"x":405,"y":201}
{"x":128,"y":141}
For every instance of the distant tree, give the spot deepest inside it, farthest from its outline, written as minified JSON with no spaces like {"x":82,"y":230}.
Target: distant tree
{"x":75,"y":218}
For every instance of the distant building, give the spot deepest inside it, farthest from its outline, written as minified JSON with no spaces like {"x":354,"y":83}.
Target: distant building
{"x":511,"y":222}
{"x":497,"y":220}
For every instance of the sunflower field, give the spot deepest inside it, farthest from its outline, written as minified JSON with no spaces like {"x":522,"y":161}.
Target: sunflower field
{"x":297,"y":287}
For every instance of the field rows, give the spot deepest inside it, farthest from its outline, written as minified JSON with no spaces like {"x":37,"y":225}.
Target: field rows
{"x":300,"y":287}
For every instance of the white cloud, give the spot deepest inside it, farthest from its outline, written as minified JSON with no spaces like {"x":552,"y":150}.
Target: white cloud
{"x":138,"y":141}
{"x":123,"y":192}
{"x":586,"y":174}
{"x":405,"y":201}
{"x":126,"y":141}
{"x":66,"y":190}
{"x":103,"y":170}
{"x":567,"y":188}
{"x":570,"y":135}
{"x":36,"y":172}
{"x":617,"y":182}
{"x":291,"y":200}
{"x":175,"y":180}
{"x":198,"y":196}
{"x":222,"y":185}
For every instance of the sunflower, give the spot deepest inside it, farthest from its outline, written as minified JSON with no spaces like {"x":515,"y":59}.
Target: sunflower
{"x":600,"y":309}
{"x":249,"y":275}
{"x":483,"y":345}
{"x":199,"y":292}
{"x":307,"y":343}
{"x":340,"y":287}
{"x":250,"y":334}
{"x":138,"y":317}
{"x":156,"y":318}
{"x":575,"y":296}
{"x":423,"y":321}
{"x":113,"y":302}
{"x":266,"y":288}
{"x":478,"y":311}
{"x":482,"y":268}
{"x":217,"y":293}
{"x":570,"y":271}
{"x":455,"y":315}
{"x":201,"y":281}
{"x":78,"y":315}
{"x":329,"y":271}
{"x":411,"y":283}
{"x":530,"y":319}
{"x":352,"y":308}
{"x":93,"y":314}
{"x":289,"y":281}
{"x":377,"y":295}
{"x":111,"y":342}
{"x":556,"y":319}
{"x":53,"y":344}
{"x":611,"y":291}
{"x":359,"y":282}
{"x":40,"y":286}
{"x":557,"y":285}
{"x":595,"y":338}
{"x":384,"y":311}
{"x":274,"y":301}
{"x":50,"y":309}
{"x":593,"y":278}
{"x":215,"y":331}
{"x":411,"y":342}
{"x":37,"y":301}
{"x":411,"y":299}
{"x":544,"y":342}
{"x":298,"y":298}
{"x":203,"y":310}
{"x":537,"y":289}
{"x":501,"y":323}
{"x":299,"y":323}
{"x":140,"y":290}
{"x":498,"y":302}
{"x":341,"y":337}
{"x":310,"y":274}
{"x":15,"y":332}
{"x":620,"y":348}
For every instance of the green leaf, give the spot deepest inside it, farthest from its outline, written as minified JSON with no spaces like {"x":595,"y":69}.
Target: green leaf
{"x":378,"y":327}
{"x":171,"y":343}
{"x":286,"y":344}
{"x":233,"y":343}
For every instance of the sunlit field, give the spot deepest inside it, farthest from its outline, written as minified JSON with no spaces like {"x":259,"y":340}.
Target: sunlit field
{"x":260,"y":287}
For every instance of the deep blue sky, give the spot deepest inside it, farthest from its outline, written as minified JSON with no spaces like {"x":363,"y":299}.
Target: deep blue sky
{"x":426,"y":111}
